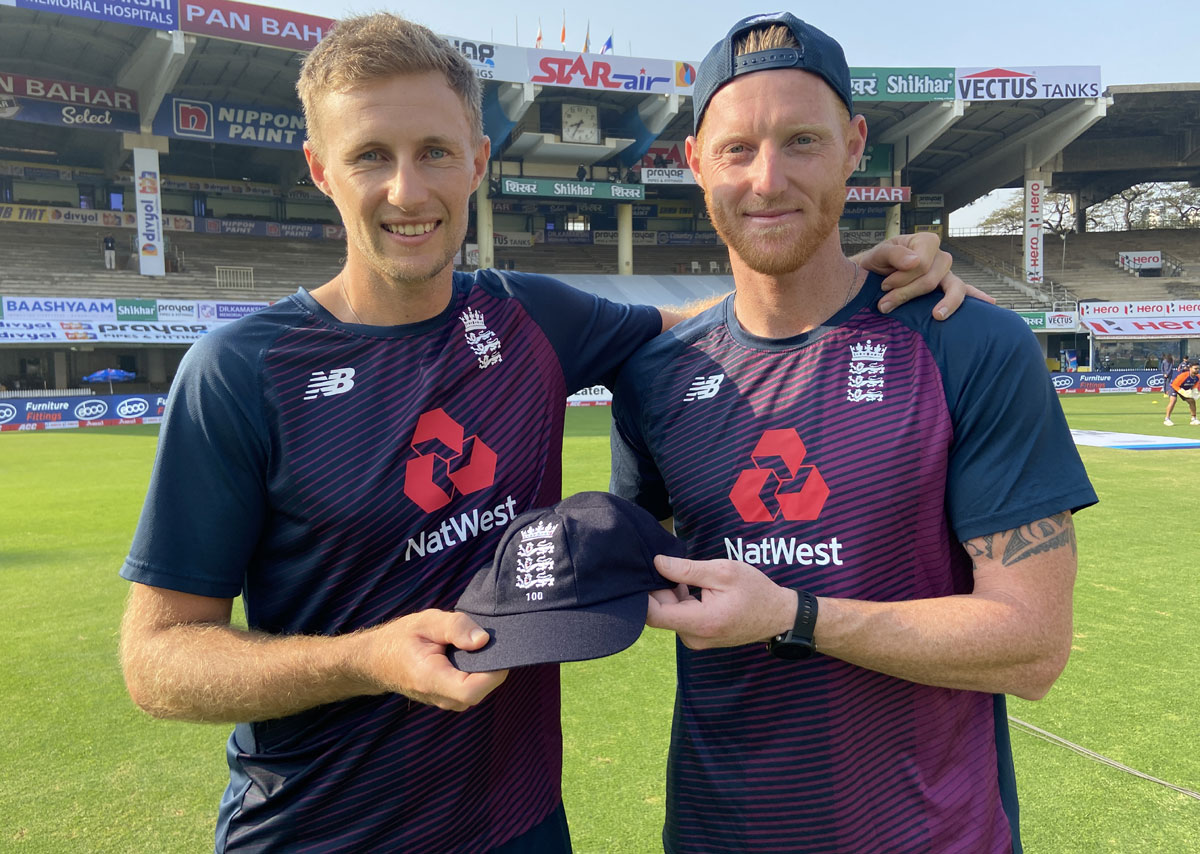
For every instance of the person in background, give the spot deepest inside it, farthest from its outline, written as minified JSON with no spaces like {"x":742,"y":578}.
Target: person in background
{"x":1186,"y":384}
{"x":110,"y":252}
{"x":1166,"y":367}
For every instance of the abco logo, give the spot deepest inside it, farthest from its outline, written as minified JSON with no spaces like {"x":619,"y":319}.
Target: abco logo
{"x":132,"y":408}
{"x":90,"y":410}
{"x":446,"y":461}
{"x":1063,"y":381}
{"x":779,"y":485}
{"x":7,"y":412}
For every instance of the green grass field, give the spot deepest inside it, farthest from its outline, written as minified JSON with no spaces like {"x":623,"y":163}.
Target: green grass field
{"x":81,"y":770}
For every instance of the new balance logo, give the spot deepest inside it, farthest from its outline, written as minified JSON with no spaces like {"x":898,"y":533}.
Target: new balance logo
{"x":703,"y":388}
{"x":337,"y":381}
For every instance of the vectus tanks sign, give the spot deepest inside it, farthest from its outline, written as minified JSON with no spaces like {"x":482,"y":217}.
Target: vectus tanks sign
{"x":1023,"y":83}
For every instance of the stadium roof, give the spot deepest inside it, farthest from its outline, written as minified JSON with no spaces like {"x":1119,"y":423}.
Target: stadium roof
{"x":1096,"y":143}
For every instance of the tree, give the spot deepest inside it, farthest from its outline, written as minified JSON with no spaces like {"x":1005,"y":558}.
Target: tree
{"x":1058,"y":216}
{"x":1174,"y":205}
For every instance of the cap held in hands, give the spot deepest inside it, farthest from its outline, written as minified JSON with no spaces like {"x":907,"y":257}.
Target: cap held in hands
{"x":568,"y":583}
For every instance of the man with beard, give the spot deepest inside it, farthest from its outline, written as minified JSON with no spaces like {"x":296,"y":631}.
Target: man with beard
{"x":877,"y":508}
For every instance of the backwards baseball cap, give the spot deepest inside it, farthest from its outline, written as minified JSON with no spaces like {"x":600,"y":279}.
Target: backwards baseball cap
{"x":568,"y":583}
{"x":817,"y":53}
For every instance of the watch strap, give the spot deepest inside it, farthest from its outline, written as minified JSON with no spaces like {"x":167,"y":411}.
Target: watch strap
{"x":797,"y":642}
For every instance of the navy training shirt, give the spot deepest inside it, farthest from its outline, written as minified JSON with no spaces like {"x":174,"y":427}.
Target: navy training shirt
{"x":849,"y":461}
{"x":337,"y":476}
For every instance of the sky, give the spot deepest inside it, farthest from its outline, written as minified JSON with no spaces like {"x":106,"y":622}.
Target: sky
{"x":935,"y":33}
{"x":1132,"y":43}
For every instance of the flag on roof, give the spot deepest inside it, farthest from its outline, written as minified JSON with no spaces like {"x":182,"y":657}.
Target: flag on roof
{"x":587,"y":39}
{"x":562,"y":39}
{"x":538,"y":43}
{"x":608,"y":45}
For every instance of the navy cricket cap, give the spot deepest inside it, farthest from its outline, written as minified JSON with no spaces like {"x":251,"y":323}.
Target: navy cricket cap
{"x":818,"y":53}
{"x":568,"y":583}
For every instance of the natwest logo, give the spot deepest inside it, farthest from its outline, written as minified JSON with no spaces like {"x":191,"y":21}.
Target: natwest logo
{"x":779,"y":485}
{"x":447,"y":461}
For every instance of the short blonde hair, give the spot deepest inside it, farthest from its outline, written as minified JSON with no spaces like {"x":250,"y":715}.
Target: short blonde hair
{"x":366,"y":48}
{"x":765,"y":38}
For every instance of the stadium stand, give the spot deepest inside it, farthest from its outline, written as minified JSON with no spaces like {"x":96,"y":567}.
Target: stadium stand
{"x":1089,"y":269}
{"x":65,"y":261}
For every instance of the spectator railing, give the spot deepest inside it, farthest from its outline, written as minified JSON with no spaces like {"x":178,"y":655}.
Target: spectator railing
{"x":235,"y":278}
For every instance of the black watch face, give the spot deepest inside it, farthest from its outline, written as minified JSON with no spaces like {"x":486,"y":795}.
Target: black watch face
{"x":792,"y":650}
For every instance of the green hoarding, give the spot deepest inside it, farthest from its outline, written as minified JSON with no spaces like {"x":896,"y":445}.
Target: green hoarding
{"x":902,"y":84}
{"x":561,"y":188}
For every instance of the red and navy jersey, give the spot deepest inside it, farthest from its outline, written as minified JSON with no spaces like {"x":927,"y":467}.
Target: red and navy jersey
{"x":337,"y":476}
{"x":850,"y":461}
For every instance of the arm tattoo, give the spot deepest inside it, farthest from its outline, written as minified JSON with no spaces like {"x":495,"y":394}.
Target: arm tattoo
{"x":980,"y":547}
{"x":1026,"y":541}
{"x":1042,"y":536}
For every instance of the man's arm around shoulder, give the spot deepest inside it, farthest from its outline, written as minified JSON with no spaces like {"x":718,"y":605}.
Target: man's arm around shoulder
{"x":182,"y":659}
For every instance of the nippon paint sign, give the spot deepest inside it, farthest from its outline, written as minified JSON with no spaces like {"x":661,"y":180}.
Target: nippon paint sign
{"x":239,"y":124}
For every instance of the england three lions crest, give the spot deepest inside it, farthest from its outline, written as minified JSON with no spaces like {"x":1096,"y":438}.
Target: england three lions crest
{"x":482,"y":341}
{"x":864,"y":379}
{"x":535,"y":556}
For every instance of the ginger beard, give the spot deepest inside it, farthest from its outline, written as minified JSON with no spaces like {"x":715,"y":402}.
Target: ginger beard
{"x":776,"y":251}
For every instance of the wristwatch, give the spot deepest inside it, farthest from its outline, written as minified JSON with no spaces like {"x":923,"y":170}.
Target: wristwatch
{"x":797,"y":643}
